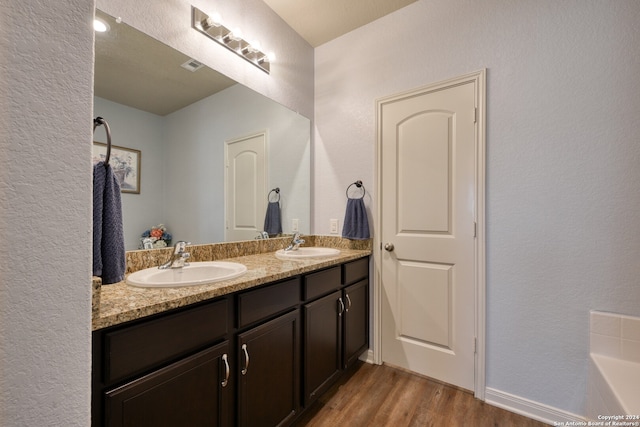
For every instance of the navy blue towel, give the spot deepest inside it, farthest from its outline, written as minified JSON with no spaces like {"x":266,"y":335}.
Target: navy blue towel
{"x":356,"y":223}
{"x":272,"y":220}
{"x":108,"y":236}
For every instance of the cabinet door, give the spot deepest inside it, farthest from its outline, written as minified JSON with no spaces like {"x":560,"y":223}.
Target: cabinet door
{"x":190,"y":392}
{"x":322,"y":344}
{"x":269,"y":377}
{"x":356,"y":321}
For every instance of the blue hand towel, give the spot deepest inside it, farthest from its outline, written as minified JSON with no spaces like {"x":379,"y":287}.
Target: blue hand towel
{"x":272,"y":220}
{"x":108,"y":236}
{"x":356,"y":223}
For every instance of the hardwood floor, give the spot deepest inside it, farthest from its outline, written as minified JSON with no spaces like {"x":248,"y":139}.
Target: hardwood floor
{"x":373,"y":395}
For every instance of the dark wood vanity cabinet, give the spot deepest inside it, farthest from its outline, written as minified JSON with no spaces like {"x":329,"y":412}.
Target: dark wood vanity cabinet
{"x":268,"y":354}
{"x":336,"y":325}
{"x":167,"y":370}
{"x":322,"y":331}
{"x":356,"y":322}
{"x":189,"y":392}
{"x":269,"y":372}
{"x":254,"y":358}
{"x":355,"y":277}
{"x":322,"y":345}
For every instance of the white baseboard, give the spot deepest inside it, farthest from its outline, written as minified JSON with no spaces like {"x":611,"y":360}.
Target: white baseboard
{"x":531,"y":409}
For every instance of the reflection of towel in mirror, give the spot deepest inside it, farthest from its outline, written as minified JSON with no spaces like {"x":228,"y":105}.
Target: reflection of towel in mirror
{"x":356,"y":223}
{"x":108,"y":237}
{"x":272,"y":220}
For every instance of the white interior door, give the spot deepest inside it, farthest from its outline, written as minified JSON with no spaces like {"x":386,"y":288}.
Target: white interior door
{"x":428,"y":142}
{"x":245,"y":187}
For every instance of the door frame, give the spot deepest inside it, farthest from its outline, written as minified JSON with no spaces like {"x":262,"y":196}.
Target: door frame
{"x":479,"y":79}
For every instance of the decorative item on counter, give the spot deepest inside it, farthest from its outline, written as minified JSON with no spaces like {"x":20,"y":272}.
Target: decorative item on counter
{"x":156,"y":237}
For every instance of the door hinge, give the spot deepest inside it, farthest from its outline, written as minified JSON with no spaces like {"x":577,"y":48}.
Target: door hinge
{"x":475,"y":345}
{"x":475,"y":115}
{"x":475,"y":229}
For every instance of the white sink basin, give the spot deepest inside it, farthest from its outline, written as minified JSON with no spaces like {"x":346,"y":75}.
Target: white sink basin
{"x":196,"y":273}
{"x":307,"y":252}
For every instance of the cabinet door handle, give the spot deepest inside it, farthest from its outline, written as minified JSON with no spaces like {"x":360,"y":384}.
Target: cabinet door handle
{"x":226,"y":370}
{"x":348,"y":302}
{"x":246,"y":359}
{"x":341,"y":310}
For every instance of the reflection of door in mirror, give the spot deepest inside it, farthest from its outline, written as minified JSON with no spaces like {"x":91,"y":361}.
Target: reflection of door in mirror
{"x":245,"y":186}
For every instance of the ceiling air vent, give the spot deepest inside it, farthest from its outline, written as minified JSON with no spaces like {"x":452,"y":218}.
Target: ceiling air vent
{"x":192,"y":65}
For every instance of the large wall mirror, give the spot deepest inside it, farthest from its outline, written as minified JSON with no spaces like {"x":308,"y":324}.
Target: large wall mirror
{"x":181,"y":119}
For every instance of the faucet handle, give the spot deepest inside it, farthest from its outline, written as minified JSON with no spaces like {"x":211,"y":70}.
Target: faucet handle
{"x":184,"y":257}
{"x":180,"y":246}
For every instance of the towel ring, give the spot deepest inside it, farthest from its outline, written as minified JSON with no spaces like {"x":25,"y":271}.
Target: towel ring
{"x":100,"y":121}
{"x":358,"y":184}
{"x":277,"y":191}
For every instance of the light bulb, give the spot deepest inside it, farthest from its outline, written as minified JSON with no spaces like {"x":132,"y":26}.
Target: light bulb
{"x":217,"y":19}
{"x":235,"y":34}
{"x":254,"y":46}
{"x":214,"y":20}
{"x":100,"y":26}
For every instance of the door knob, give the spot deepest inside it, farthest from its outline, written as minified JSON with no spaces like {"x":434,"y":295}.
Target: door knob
{"x":388,"y":247}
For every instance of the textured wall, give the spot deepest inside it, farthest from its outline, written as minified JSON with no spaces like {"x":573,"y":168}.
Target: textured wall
{"x":562,"y":162}
{"x":46,"y":93}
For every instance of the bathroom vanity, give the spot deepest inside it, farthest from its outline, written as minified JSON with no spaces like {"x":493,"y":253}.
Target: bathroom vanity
{"x":254,"y":351}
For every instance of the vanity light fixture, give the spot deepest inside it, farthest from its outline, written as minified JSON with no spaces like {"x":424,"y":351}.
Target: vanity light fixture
{"x":212,"y":27}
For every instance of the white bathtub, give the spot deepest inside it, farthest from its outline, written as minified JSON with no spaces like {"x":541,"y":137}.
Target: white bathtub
{"x":614,"y":367}
{"x":614,"y":387}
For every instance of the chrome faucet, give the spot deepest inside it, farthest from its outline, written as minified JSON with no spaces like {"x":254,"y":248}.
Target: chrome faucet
{"x":295,"y":243}
{"x":179,"y":256}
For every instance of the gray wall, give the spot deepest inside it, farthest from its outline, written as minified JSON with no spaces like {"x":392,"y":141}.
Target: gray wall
{"x":563,"y":181}
{"x":46,"y":93}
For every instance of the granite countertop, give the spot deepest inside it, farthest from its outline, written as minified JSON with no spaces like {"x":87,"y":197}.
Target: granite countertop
{"x":119,"y":302}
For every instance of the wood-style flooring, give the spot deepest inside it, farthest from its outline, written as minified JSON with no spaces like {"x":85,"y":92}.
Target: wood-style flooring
{"x":373,"y":396}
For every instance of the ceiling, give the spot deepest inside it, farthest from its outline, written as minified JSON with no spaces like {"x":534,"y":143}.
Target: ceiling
{"x":319,"y":21}
{"x":133,"y":69}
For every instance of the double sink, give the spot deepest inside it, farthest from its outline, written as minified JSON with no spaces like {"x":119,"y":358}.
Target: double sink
{"x":199,"y":273}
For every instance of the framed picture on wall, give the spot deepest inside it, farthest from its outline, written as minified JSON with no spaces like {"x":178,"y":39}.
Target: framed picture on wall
{"x":125,"y":163}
